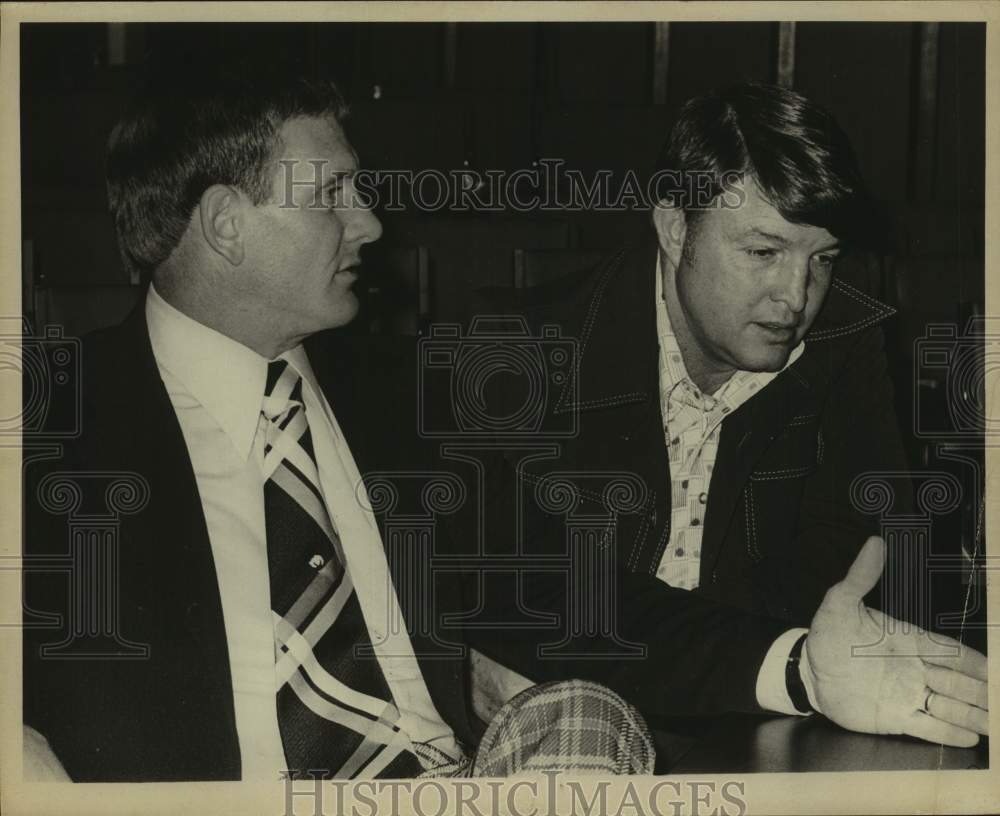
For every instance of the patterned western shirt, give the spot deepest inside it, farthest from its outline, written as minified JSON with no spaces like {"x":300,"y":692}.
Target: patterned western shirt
{"x":692,"y":422}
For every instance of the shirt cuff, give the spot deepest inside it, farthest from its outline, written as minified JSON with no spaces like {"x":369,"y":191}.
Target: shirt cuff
{"x":772,"y":693}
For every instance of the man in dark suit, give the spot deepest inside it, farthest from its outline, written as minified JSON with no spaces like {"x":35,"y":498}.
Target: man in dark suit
{"x":230,"y":611}
{"x":730,"y":397}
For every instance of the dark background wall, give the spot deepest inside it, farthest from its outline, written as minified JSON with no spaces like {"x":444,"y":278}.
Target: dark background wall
{"x":494,"y":95}
{"x":500,"y":96}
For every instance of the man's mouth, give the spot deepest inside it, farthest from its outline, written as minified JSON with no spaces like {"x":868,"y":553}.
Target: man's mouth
{"x":781,"y":331}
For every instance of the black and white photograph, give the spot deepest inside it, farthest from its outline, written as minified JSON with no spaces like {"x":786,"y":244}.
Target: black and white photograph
{"x":497,"y":408}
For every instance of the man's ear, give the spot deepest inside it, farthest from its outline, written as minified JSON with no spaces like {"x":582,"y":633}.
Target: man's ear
{"x":671,"y":228}
{"x":223,"y":222}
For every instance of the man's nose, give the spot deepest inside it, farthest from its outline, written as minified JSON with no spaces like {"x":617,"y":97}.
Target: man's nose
{"x":364,"y":226}
{"x":792,"y":285}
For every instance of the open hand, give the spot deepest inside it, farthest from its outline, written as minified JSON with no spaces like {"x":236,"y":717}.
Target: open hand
{"x":868,"y":672}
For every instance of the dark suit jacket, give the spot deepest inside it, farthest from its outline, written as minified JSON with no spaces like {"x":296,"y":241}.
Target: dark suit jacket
{"x":168,"y":715}
{"x":780,"y":525}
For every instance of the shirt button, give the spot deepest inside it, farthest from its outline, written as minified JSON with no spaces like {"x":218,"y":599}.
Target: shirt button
{"x":317,"y":562}
{"x":695,"y":522}
{"x":680,"y":552}
{"x":684,"y":484}
{"x":703,"y":497}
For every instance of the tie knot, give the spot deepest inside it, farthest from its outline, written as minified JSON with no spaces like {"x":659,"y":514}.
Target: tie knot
{"x":282,"y":390}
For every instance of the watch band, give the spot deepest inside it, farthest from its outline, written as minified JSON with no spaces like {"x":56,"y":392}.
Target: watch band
{"x":793,"y":679}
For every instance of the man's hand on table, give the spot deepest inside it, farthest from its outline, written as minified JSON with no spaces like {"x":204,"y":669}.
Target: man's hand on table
{"x":868,"y":672}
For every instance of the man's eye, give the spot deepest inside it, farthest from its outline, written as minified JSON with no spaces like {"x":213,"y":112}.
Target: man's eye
{"x":824,"y":261}
{"x":335,"y":195}
{"x":762,"y":253}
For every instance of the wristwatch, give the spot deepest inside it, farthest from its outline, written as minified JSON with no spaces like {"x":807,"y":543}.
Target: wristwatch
{"x":793,"y":679}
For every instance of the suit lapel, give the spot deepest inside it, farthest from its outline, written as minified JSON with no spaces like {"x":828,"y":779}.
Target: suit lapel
{"x":616,"y":340}
{"x":801,"y":388}
{"x":175,"y":529}
{"x":617,"y":395}
{"x":744,"y":437}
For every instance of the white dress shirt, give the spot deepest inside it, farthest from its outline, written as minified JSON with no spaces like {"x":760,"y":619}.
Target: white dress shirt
{"x":692,"y":423}
{"x":216,"y":386}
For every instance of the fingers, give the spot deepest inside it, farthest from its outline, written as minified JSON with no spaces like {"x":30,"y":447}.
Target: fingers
{"x":958,"y":713}
{"x":945,"y":651}
{"x":958,"y":686}
{"x":864,"y":573}
{"x":927,"y":727}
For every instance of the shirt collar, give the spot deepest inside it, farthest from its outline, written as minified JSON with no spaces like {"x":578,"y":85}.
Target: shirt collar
{"x":674,"y":372}
{"x":299,"y":360}
{"x":224,"y":376}
{"x":672,"y":369}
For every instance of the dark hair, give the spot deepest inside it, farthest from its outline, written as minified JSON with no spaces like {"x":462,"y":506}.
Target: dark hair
{"x":183,"y":134}
{"x":795,"y":151}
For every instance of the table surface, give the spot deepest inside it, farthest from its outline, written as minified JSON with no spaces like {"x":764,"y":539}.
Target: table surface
{"x":747,"y":744}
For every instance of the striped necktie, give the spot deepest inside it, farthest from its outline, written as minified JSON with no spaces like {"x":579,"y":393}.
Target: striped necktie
{"x":334,"y":707}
